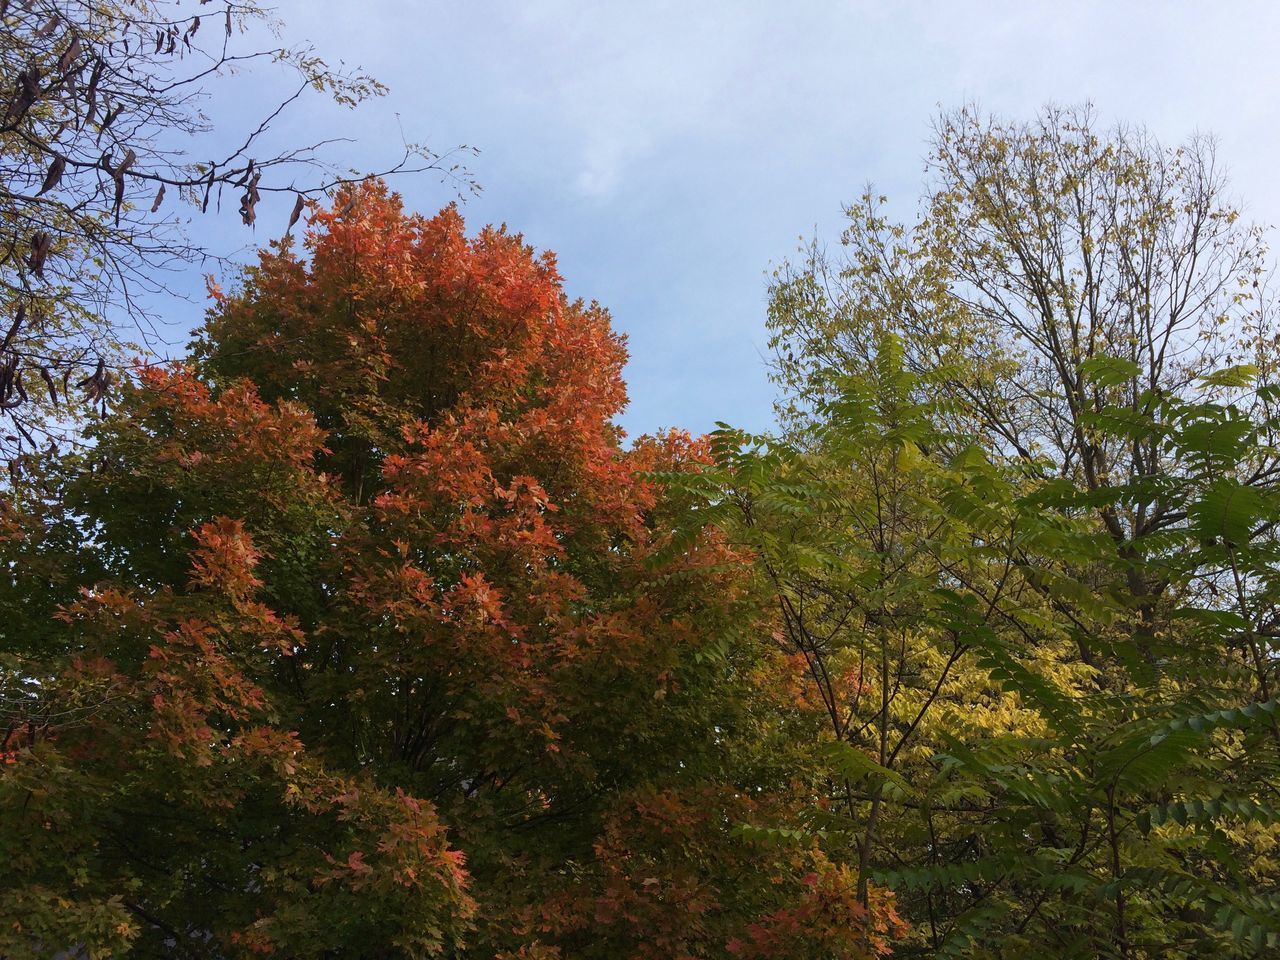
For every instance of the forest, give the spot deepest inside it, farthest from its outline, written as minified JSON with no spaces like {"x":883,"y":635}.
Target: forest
{"x":361,"y":629}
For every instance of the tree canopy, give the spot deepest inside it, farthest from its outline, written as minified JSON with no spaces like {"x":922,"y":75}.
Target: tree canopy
{"x":368,"y":636}
{"x":365,"y":632}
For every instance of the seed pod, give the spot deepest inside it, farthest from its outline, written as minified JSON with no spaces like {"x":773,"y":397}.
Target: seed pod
{"x":54,"y":175}
{"x":27,"y":93}
{"x":48,"y":382}
{"x":69,"y":56}
{"x":40,"y":244}
{"x":297,"y":212}
{"x":249,"y":201}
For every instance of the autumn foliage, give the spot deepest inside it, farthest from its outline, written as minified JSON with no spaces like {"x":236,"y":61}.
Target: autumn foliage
{"x":366,"y":633}
{"x":366,"y":636}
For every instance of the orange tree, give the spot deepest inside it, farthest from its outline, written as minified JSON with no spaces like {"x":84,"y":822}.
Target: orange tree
{"x":364,"y":636}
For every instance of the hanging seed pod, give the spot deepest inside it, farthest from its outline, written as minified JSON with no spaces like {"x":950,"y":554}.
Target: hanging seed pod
{"x":69,"y":57}
{"x":52,"y":178}
{"x":297,"y":212}
{"x":249,"y":201}
{"x":48,"y":382}
{"x":40,"y":245}
{"x":27,"y":93}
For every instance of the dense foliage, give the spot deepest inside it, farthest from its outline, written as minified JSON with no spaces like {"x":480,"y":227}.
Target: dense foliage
{"x":1027,"y":498}
{"x":365,"y":634}
{"x":361,"y":636}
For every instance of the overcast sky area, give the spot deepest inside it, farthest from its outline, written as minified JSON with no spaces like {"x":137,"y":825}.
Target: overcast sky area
{"x":672,"y":153}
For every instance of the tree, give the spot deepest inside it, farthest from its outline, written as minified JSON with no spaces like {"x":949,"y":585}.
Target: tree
{"x":156,"y":798}
{"x":102,"y":140}
{"x":399,"y":557}
{"x":888,"y":597}
{"x":1040,"y":247}
{"x":1058,"y":277}
{"x":1075,"y":499}
{"x":1018,"y":798}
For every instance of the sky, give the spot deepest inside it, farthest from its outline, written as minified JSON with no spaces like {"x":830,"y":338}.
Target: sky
{"x":673,"y":154}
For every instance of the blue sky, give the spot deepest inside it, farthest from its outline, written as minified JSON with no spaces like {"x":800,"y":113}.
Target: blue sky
{"x":672,"y":153}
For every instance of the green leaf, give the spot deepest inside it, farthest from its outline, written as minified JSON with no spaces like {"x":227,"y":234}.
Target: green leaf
{"x":1241,"y":375}
{"x":853,"y":764}
{"x":1106,"y":371}
{"x":1227,"y":510}
{"x":1221,"y":440}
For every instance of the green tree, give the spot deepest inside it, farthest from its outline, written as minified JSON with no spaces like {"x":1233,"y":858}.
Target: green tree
{"x":1018,"y":798}
{"x":1019,"y":528}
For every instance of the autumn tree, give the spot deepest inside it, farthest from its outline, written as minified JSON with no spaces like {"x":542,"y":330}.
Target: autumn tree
{"x":156,"y":799}
{"x":382,"y":544}
{"x":104,"y":141}
{"x":1059,"y":277}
